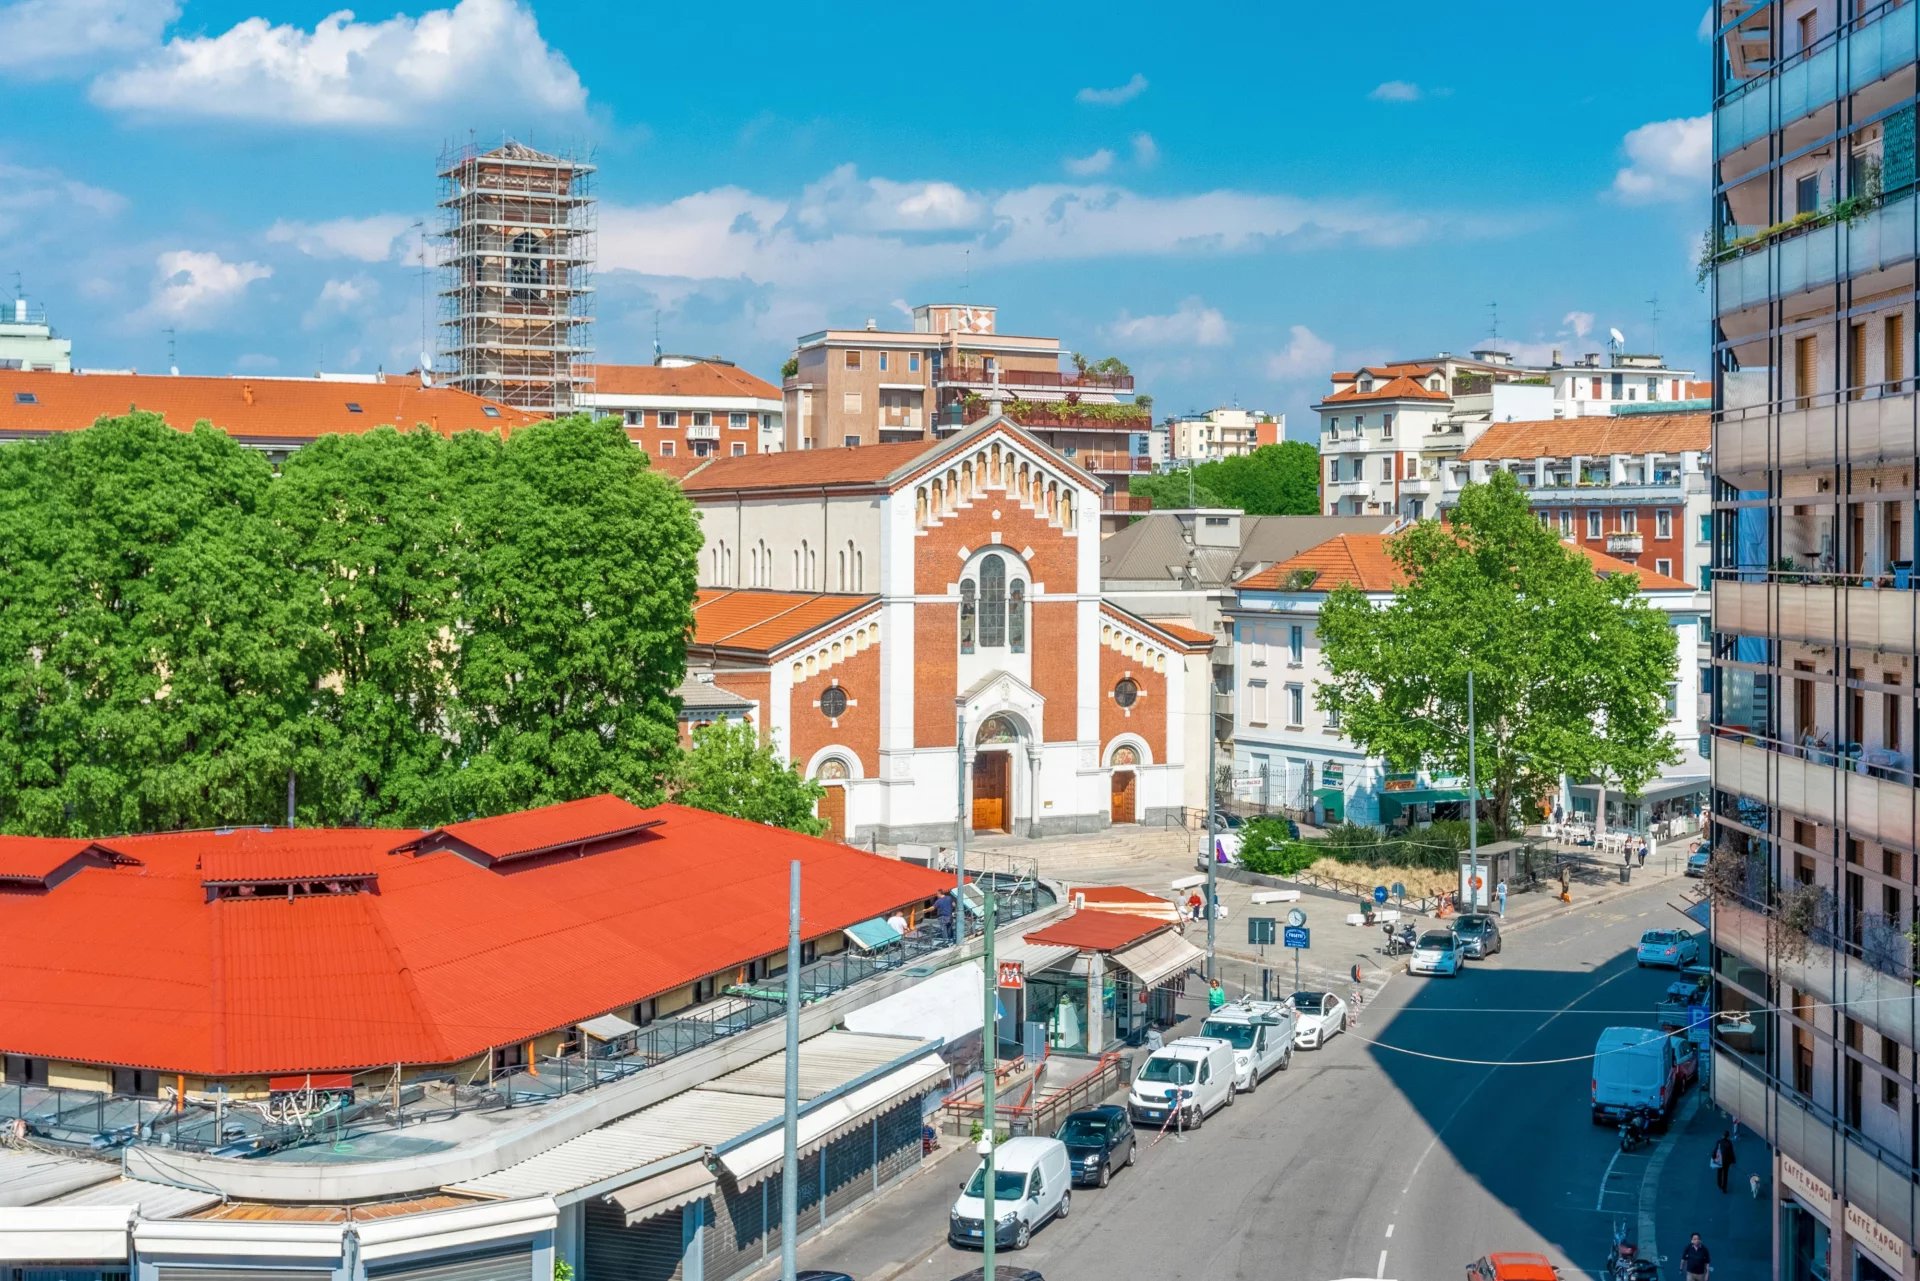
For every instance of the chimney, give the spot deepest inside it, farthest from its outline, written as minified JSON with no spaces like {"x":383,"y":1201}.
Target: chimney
{"x":872,"y":324}
{"x":1556,"y":355}
{"x":246,"y":393}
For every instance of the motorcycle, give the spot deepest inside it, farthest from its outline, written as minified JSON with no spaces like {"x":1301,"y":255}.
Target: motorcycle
{"x":1624,"y":1262}
{"x":1635,"y":1129}
{"x":1400,"y":943}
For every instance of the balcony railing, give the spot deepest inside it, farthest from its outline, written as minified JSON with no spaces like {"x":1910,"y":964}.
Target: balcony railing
{"x":1623,"y":544}
{"x":1791,"y":263}
{"x":697,"y":432}
{"x":1876,"y":423}
{"x":1838,"y":609}
{"x":980,"y":375}
{"x":1874,"y":46}
{"x":1109,"y":462}
{"x":1880,"y":806}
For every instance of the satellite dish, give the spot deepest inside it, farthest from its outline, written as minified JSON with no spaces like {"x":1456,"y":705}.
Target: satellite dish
{"x":1619,"y":338}
{"x":426,"y":370}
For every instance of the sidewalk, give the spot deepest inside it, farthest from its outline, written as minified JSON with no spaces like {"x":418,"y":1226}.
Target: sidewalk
{"x":1733,"y":1225}
{"x":893,"y":1230}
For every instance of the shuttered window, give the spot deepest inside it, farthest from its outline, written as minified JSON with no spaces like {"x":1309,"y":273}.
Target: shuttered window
{"x":648,"y":1251}
{"x":493,"y":1265}
{"x":1894,"y":352}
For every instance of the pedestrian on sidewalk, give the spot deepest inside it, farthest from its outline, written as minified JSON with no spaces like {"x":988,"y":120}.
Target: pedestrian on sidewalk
{"x":943,"y":907}
{"x":1722,"y":1158}
{"x":1501,"y":890}
{"x":1217,"y":996}
{"x":1645,"y":844}
{"x":1695,"y":1261}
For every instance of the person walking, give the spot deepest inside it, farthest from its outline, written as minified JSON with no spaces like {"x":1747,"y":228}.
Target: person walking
{"x":943,"y":908}
{"x":1722,"y":1159}
{"x":1695,"y":1260}
{"x":1216,"y":995}
{"x":1501,"y":891}
{"x":1645,"y":844}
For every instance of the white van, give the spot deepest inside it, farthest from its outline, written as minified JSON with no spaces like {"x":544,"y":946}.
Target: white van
{"x":1193,"y":1076}
{"x":1032,"y":1183}
{"x":1261,"y":1034}
{"x":1635,"y":1067}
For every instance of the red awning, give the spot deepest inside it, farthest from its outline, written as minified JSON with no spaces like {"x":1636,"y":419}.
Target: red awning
{"x":311,"y":1081}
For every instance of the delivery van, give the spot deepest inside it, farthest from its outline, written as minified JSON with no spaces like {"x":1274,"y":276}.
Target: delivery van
{"x":1634,"y":1067}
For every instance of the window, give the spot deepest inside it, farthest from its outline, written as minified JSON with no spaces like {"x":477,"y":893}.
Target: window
{"x":1296,"y":643}
{"x":1809,"y":28}
{"x":1890,"y":1083}
{"x":1673,"y":701}
{"x":1593,"y":523}
{"x":666,"y":449}
{"x":353,"y":407}
{"x":1333,"y":424}
{"x":636,"y":418}
{"x":1893,"y":353}
{"x":913,"y":362}
{"x":851,"y":442}
{"x":646,"y":1012}
{"x":1806,"y":194}
{"x":1629,"y":521}
{"x":1597,"y":393}
{"x":969,"y":615}
{"x":701,"y":418}
{"x":737,"y":421}
{"x":883,"y":362}
{"x":507,"y":1058}
{"x":1296,"y":705}
{"x":1386,"y":422}
{"x":1127,"y":692}
{"x":1806,"y":357}
{"x":1664,"y":567}
{"x":833,"y":702}
{"x":490,"y":411}
{"x":1663,"y":524}
{"x":853,"y":360}
{"x":25,"y":398}
{"x":1017,"y":617}
{"x":1856,"y":359}
{"x":1566,"y":521}
{"x":1706,"y":529}
{"x":21,"y":1070}
{"x":1386,"y":468}
{"x":1333,"y":717}
{"x":993,"y":601}
{"x":668,"y":418}
{"x":739,"y":448}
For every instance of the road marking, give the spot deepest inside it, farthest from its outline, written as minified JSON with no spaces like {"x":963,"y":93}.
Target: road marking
{"x":1381,"y":1271}
{"x":1650,"y":1180}
{"x":1605,"y":1179}
{"x":1389,"y":1231}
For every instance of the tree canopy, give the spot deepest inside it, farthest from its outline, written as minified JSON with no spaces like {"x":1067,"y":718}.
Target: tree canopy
{"x":730,"y":771}
{"x":417,"y":629}
{"x":1273,"y":480}
{"x":1570,"y":669}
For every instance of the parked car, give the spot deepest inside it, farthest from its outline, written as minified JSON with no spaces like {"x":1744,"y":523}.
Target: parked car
{"x":815,"y":1274}
{"x":1479,"y":935}
{"x":1032,"y":1184}
{"x":1637,"y":1067}
{"x":1226,"y":821}
{"x":1192,"y":1076}
{"x":1261,"y":1034}
{"x":1674,"y":948}
{"x":1436,"y":952}
{"x":1099,"y":1141}
{"x":1697,"y":861}
{"x":1317,"y":1018}
{"x":1001,"y":1272}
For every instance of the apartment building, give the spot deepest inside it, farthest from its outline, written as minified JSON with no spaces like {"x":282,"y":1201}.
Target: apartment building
{"x":688,"y":406}
{"x":1221,"y":433}
{"x":1816,"y":452}
{"x":27,"y":341}
{"x":877,"y":386}
{"x":1383,"y":425}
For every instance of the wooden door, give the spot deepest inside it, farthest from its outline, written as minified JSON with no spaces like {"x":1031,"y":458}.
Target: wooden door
{"x":1123,"y":796}
{"x":992,"y":776}
{"x":833,"y":809}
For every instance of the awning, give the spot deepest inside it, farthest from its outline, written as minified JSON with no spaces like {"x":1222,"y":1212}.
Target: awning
{"x":608,"y":1027}
{"x":1333,"y":800}
{"x":1393,"y":803}
{"x":669,"y":1190}
{"x":943,"y":1008}
{"x":824,"y":1122}
{"x":871,"y":936}
{"x":1699,"y":913}
{"x":1155,"y":960}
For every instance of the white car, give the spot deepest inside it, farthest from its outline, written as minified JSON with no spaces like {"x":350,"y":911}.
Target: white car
{"x":1436,"y":952}
{"x":1183,"y":1082}
{"x":1675,"y":948}
{"x":1318,"y":1017}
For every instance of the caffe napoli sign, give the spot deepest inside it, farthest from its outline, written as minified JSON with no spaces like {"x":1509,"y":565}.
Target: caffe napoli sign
{"x":1891,"y":1250}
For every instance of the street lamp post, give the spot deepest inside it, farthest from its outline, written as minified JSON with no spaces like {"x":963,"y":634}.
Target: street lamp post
{"x":989,"y":1060}
{"x":960,"y":824}
{"x":1213,"y":737}
{"x":1473,"y":801}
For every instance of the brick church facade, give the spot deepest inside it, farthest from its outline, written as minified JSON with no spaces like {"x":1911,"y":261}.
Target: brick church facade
{"x":883,"y":608}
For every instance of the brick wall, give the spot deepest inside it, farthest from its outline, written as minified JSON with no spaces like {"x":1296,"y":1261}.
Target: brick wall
{"x":1148,"y":716}
{"x":858,"y":730}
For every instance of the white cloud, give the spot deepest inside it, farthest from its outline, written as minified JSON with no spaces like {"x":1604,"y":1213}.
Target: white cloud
{"x":44,"y":38}
{"x":479,"y":53}
{"x":1580,"y":322}
{"x":1146,"y":152}
{"x":45,"y":201}
{"x":843,"y":199}
{"x":1306,"y":355}
{"x":1396,"y":91}
{"x":338,"y":298}
{"x":368,"y":239}
{"x":1192,"y":324}
{"x":1705,"y":33}
{"x":1087,"y":166}
{"x":1115,"y":96}
{"x":1667,"y":160}
{"x":190,"y":287}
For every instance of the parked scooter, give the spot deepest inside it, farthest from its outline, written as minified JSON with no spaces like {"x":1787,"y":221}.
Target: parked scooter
{"x":1624,"y":1262}
{"x":1636,"y":1128}
{"x":1400,"y":943}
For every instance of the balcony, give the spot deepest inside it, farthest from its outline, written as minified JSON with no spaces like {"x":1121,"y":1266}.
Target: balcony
{"x":695,"y":431}
{"x":969,"y":375}
{"x":1792,"y":262}
{"x":1879,"y":809}
{"x":1873,"y":995}
{"x":1845,"y":613}
{"x":1109,"y":462}
{"x":1222,"y":703}
{"x":1819,"y":431}
{"x":1623,"y":544}
{"x":1873,"y":50}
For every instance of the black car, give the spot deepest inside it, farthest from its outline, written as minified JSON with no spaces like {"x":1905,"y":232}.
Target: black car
{"x":1003,"y":1272}
{"x":1099,"y":1140}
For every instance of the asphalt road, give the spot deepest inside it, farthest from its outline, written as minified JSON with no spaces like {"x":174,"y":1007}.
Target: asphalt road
{"x":1453,"y":1121}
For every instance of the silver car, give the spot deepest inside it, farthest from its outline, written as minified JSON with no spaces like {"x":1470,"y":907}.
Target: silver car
{"x":1479,"y":935}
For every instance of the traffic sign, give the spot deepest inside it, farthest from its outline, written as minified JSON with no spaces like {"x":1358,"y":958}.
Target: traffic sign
{"x":1260,"y":930}
{"x":1013,"y":974}
{"x":1296,"y":918}
{"x":1476,"y":882}
{"x":1399,"y":890}
{"x":1297,"y":936}
{"x":1379,"y":893}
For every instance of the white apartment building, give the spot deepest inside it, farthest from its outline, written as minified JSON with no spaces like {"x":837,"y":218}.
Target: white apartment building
{"x":1287,"y":752}
{"x":1221,"y":433}
{"x":27,"y":341}
{"x":1383,"y":425}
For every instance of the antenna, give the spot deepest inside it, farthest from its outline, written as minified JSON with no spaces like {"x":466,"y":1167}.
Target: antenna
{"x":1493,"y":316}
{"x":173,"y":365}
{"x":19,"y":289}
{"x":656,"y":335}
{"x":1654,"y":304}
{"x":966,"y":285}
{"x":420,"y":226}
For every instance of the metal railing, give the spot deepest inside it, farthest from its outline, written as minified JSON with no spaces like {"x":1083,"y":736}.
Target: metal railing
{"x":969,"y":373}
{"x":1026,"y":1114}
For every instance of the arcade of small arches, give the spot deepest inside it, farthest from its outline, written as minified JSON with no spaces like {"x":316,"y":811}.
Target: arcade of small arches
{"x":993,"y":467}
{"x":1148,"y":655}
{"x":830,"y":654}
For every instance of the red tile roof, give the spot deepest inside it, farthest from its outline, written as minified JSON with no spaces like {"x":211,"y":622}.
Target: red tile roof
{"x":678,"y":466}
{"x":1594,"y":437}
{"x":540,"y":831}
{"x":1182,"y":638}
{"x":678,"y":380}
{"x":264,"y":855}
{"x":136,"y":966}
{"x":1181,"y":632}
{"x":1365,"y":561}
{"x":766,"y":621}
{"x":1097,"y":931}
{"x":807,"y":468}
{"x":35,"y":858}
{"x":294,"y":410}
{"x":1398,"y":387}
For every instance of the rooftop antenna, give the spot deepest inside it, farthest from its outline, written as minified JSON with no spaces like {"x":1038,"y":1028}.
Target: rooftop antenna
{"x":966,"y":284}
{"x":1493,"y":314}
{"x":19,"y":288}
{"x":656,"y":335}
{"x":173,"y":365}
{"x":426,"y":358}
{"x":1654,"y":304}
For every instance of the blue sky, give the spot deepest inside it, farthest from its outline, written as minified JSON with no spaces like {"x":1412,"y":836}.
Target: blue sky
{"x":1235,"y":205}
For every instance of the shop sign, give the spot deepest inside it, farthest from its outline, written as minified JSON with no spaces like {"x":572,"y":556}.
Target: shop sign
{"x":1868,"y":1232}
{"x":1013,"y":974}
{"x":1333,"y":774}
{"x":1400,"y":783}
{"x":1817,"y":1196}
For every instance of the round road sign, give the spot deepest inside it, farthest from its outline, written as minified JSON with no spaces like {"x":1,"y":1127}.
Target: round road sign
{"x":1296,"y":918}
{"x":1475,"y":881}
{"x":1379,"y":893}
{"x":1399,"y":890}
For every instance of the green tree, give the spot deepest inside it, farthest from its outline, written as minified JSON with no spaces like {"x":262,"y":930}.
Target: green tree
{"x":1570,"y":668}
{"x":730,"y":771}
{"x":1175,"y":489}
{"x":157,"y":663}
{"x":1273,"y":480}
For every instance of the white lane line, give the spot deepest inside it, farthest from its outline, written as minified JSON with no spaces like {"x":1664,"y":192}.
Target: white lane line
{"x":1381,"y":1271}
{"x":1389,"y":1231}
{"x":1600,"y":1200}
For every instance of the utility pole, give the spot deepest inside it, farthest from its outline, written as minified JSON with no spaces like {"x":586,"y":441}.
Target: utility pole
{"x":1213,"y":738}
{"x":960,"y":817}
{"x":989,"y":1060}
{"x":790,"y":1130}
{"x":1473,"y":801}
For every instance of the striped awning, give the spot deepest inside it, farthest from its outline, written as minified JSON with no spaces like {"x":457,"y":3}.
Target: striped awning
{"x":670,"y":1189}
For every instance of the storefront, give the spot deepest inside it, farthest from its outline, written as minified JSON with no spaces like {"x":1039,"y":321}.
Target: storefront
{"x":1407,"y":800}
{"x":1128,"y":972}
{"x":1806,"y":1230}
{"x":1330,"y":797}
{"x":1874,"y":1251}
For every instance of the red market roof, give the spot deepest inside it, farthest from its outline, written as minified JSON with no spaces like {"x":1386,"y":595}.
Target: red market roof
{"x":35,"y":858}
{"x":1097,"y":931}
{"x":540,"y":831}
{"x":447,"y":956}
{"x":253,"y":855}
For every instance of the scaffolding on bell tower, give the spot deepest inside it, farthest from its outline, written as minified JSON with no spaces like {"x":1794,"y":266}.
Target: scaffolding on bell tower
{"x":516,"y":306}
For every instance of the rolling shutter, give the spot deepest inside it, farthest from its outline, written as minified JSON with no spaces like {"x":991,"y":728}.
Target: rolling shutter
{"x":244,"y":1274}
{"x":495,"y":1265}
{"x":849,"y":1168}
{"x":899,"y":1140}
{"x":736,"y":1238}
{"x":649,"y":1251}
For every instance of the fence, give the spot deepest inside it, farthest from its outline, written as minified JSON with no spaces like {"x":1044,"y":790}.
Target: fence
{"x":1020,"y":1112}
